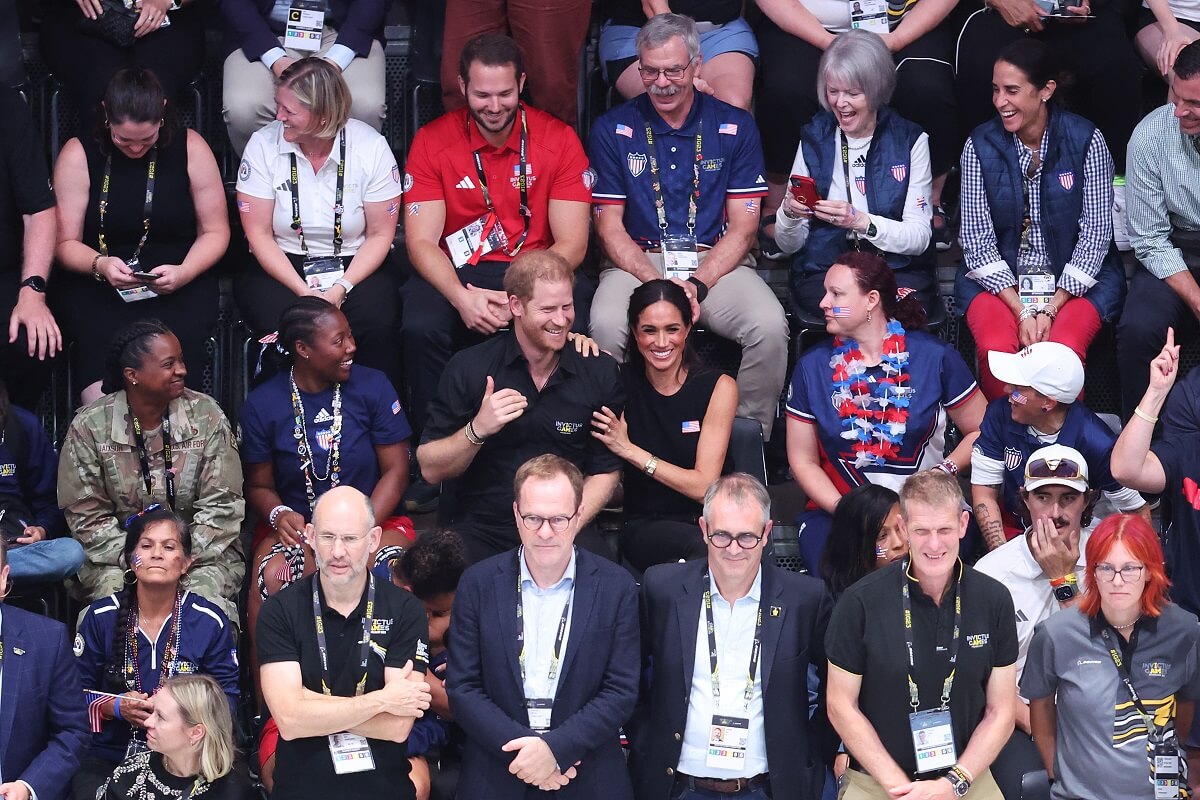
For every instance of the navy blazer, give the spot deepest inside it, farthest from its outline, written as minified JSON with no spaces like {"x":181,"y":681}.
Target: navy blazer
{"x":41,"y":691}
{"x":247,"y":26}
{"x":597,"y":686}
{"x":796,"y":614}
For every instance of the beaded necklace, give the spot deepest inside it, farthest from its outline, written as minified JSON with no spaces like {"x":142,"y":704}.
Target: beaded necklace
{"x":304,"y":451}
{"x":133,"y":676}
{"x":874,"y":413}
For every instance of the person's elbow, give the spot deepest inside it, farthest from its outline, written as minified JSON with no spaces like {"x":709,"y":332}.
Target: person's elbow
{"x":432,"y":470}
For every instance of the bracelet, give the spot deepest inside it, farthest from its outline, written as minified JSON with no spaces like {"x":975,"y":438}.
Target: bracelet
{"x":963,"y":773}
{"x":1050,"y":310}
{"x":1069,"y":578}
{"x":472,"y":437}
{"x":117,"y":708}
{"x":345,"y":284}
{"x":949,"y":467}
{"x":273,"y":517}
{"x":1137,"y":410}
{"x":701,"y":288}
{"x":651,"y":466}
{"x":1028,"y":312}
{"x":95,"y":272}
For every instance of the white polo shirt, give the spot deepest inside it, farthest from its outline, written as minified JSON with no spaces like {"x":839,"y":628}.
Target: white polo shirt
{"x":372,"y":176}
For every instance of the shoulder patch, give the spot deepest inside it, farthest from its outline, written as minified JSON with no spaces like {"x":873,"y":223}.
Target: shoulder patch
{"x":78,"y":648}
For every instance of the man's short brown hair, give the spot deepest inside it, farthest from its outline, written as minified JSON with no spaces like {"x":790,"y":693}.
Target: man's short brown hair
{"x":547,"y":467}
{"x":531,"y":266}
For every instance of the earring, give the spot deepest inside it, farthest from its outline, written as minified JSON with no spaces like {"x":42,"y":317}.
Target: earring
{"x":129,"y":581}
{"x":868,"y":315}
{"x":185,"y":580}
{"x":134,"y":383}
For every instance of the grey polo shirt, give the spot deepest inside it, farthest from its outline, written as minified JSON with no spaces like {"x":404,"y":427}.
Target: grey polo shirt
{"x":1100,"y":751}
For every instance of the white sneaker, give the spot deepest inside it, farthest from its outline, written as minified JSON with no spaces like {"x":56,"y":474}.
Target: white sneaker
{"x":1120,"y":222}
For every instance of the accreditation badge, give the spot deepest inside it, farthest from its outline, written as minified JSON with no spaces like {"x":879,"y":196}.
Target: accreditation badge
{"x":869,"y":15}
{"x":540,"y":710}
{"x":351,"y":753}
{"x":305,"y":22}
{"x":680,"y":257}
{"x":321,"y":272}
{"x":479,"y":238}
{"x":933,"y":740}
{"x":727,"y":738}
{"x":1164,"y":764}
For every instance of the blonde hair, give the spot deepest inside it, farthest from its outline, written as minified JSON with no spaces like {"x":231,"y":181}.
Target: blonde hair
{"x":933,"y":487}
{"x":202,"y":701}
{"x":320,"y":87}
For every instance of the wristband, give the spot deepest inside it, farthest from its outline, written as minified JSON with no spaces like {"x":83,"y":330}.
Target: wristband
{"x":472,"y":437}
{"x":961,"y":770}
{"x":1050,"y":310}
{"x":276,"y":511}
{"x":1064,"y":580}
{"x":949,"y":467}
{"x":117,"y":708}
{"x":1137,"y":410}
{"x":701,"y":288}
{"x":345,"y":284}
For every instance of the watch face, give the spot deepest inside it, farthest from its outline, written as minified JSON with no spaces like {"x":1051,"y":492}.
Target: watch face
{"x":1064,"y":593}
{"x":37,"y":283}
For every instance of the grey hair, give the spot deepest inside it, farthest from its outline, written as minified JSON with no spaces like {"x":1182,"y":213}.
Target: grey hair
{"x":858,"y":58}
{"x":662,"y":28}
{"x":741,"y":489}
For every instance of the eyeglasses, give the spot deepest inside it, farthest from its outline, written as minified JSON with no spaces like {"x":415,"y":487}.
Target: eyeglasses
{"x":650,"y":74}
{"x":150,"y":509}
{"x":1130,"y":573}
{"x":558,"y":523}
{"x":745,"y":540}
{"x":1064,"y":468}
{"x":350,"y":540}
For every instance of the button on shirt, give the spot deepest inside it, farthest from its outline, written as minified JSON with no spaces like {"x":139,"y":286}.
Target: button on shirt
{"x":541,"y":611}
{"x":371,"y":177}
{"x":734,"y":630}
{"x":731,"y":166}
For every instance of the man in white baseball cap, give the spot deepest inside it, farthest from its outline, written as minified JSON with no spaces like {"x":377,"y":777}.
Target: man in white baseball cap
{"x":1043,"y":382}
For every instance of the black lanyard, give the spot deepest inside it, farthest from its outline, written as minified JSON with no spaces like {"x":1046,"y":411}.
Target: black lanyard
{"x":144,"y":458}
{"x":914,"y":699}
{"x":522,"y":186}
{"x":558,"y":638}
{"x":660,"y":205}
{"x":755,"y":650}
{"x":1123,"y":673}
{"x":149,"y":206}
{"x":338,"y":208}
{"x":365,"y":652}
{"x":851,"y":236}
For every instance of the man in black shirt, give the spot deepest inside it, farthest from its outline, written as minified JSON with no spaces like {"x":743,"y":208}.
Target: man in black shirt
{"x":922,"y":657}
{"x":27,"y":237}
{"x":343,"y":657}
{"x":517,"y":396}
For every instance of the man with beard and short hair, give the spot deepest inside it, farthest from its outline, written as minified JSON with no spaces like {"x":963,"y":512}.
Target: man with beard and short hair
{"x":516,"y":396}
{"x":465,"y":169}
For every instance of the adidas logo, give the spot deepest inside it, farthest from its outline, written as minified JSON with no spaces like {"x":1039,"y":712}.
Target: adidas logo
{"x":860,"y":162}
{"x":465,"y":183}
{"x":322,"y":416}
{"x":1021,"y":616}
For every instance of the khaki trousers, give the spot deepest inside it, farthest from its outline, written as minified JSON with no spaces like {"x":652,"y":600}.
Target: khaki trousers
{"x":861,"y":786}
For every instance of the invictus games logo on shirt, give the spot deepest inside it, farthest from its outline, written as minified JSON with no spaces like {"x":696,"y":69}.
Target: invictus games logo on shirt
{"x":380,"y":626}
{"x":712,"y":164}
{"x":978,"y":640}
{"x":1156,"y":669}
{"x":1012,"y":458}
{"x":8,"y":470}
{"x":422,"y":653}
{"x":567,"y":428}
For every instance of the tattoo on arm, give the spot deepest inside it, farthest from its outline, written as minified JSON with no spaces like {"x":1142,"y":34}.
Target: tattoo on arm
{"x":992,"y":529}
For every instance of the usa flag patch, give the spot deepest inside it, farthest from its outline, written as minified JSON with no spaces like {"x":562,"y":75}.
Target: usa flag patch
{"x":728,"y":128}
{"x":1066,"y":180}
{"x":690,"y":426}
{"x":395,"y":407}
{"x":860,"y":182}
{"x":624,"y":130}
{"x":900,"y":172}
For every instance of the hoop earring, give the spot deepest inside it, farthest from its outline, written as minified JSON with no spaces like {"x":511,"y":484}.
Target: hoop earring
{"x":185,"y":580}
{"x":129,"y":581}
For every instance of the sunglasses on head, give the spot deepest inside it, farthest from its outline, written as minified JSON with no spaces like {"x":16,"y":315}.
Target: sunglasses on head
{"x":1064,"y":468}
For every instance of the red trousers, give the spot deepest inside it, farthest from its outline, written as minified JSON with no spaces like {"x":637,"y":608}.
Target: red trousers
{"x":550,"y":34}
{"x":995,"y":328}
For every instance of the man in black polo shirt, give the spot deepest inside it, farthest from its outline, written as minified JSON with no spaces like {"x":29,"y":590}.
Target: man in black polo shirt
{"x":27,"y":237}
{"x":516,"y":396}
{"x":343,"y":657}
{"x":934,"y":733}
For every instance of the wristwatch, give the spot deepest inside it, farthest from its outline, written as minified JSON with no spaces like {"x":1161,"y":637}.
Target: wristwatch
{"x":958,"y":781}
{"x":36,"y":282}
{"x":345,"y":284}
{"x":651,"y":466}
{"x":1065,"y":588}
{"x":871,"y":230}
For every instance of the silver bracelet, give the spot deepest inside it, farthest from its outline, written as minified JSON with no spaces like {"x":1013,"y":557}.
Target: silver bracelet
{"x":276,"y":511}
{"x":1028,"y":312}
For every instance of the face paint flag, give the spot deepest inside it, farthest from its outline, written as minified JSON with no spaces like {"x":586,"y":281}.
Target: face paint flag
{"x":841,"y":311}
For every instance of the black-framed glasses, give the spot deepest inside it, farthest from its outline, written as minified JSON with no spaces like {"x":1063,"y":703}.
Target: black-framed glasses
{"x":1064,"y":468}
{"x":147,"y":510}
{"x":650,"y":74}
{"x":1130,"y":573}
{"x":558,"y":523}
{"x":745,"y":540}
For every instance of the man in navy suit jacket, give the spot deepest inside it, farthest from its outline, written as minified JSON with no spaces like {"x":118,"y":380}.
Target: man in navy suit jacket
{"x":43,"y":717}
{"x":756,"y":736}
{"x":545,"y":664}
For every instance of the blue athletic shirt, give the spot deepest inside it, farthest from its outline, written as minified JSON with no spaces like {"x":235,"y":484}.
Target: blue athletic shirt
{"x":371,"y":415}
{"x":940,"y":379}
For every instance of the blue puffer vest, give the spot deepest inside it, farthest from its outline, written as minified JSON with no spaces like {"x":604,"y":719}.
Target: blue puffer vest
{"x":1061,"y":205}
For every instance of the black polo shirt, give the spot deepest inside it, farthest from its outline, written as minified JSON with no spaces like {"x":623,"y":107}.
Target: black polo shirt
{"x":866,"y":638}
{"x":24,"y":176}
{"x":557,"y":420}
{"x":287,"y":632}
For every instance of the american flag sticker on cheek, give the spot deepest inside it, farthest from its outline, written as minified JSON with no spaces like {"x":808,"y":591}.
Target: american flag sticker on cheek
{"x":1019,"y":398}
{"x":841,"y":311}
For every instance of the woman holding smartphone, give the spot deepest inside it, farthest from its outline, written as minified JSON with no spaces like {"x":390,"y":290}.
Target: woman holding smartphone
{"x":871,"y":172}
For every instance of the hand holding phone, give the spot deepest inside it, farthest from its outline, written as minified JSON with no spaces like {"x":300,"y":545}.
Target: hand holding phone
{"x":145,"y":276}
{"x":804,"y":190}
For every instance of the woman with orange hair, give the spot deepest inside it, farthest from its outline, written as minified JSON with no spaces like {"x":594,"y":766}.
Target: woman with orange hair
{"x":1112,"y":682}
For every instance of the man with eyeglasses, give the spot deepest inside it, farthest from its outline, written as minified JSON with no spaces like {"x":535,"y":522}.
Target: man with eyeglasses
{"x":678,"y":194}
{"x":343,"y":657}
{"x":728,"y":643}
{"x":545,"y":666}
{"x":924,"y":644}
{"x":1041,"y":407}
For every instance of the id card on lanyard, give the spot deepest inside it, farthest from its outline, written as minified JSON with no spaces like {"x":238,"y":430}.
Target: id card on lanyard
{"x":350,"y":752}
{"x":134,"y":293}
{"x":305,"y":23}
{"x":680,"y":253}
{"x":139,"y":441}
{"x":541,"y":709}
{"x":729,"y":734}
{"x":321,"y":272}
{"x":932,"y":731}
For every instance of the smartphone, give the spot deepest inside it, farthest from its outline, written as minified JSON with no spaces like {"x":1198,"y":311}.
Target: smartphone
{"x":804,"y":190}
{"x":146,"y":276}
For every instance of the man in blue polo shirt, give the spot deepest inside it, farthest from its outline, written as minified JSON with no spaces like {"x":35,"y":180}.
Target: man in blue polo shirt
{"x":1043,"y":383}
{"x":679,"y":186}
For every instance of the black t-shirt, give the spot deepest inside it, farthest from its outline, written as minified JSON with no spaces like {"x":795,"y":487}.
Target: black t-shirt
{"x":24,"y":176}
{"x":1180,"y":458}
{"x":556,"y":420}
{"x":287,"y":632}
{"x":629,"y":12}
{"x":866,"y":638}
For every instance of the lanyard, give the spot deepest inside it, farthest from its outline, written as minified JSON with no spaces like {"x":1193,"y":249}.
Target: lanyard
{"x":660,"y":204}
{"x":1123,"y":673}
{"x":851,"y":236}
{"x":558,"y":637}
{"x":144,"y":458}
{"x":522,"y":186}
{"x":755,"y":651}
{"x":304,"y":450}
{"x":338,"y":208}
{"x":323,"y":647}
{"x":149,"y":206}
{"x":913,"y":697}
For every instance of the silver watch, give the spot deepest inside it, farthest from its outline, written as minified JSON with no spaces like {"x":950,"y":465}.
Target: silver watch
{"x":345,"y":284}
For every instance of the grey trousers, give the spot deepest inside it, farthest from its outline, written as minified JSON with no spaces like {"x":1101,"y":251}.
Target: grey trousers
{"x":248,"y":97}
{"x":739,"y":307}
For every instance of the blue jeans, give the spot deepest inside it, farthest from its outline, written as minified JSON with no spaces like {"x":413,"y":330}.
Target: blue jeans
{"x":49,"y":560}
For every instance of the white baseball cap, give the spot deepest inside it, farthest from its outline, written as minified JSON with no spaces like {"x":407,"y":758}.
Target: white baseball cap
{"x":1051,"y":368}
{"x":1056,"y":465}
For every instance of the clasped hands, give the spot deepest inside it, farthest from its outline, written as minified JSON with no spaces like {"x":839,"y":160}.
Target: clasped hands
{"x":535,"y":763}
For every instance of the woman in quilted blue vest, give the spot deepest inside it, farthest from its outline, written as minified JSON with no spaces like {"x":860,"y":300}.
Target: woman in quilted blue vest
{"x":1037,"y":233}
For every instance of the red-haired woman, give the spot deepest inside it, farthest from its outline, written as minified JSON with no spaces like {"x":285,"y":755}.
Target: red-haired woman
{"x":1111,"y":683}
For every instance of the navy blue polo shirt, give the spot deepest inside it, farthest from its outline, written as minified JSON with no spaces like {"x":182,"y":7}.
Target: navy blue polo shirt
{"x":731,"y":166}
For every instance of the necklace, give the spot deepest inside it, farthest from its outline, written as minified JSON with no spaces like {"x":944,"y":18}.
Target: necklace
{"x":1127,"y":627}
{"x":874,"y":413}
{"x":304,"y":450}
{"x":133,"y":674}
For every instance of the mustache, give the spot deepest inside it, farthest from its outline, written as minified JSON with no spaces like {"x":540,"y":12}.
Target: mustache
{"x":664,"y":91}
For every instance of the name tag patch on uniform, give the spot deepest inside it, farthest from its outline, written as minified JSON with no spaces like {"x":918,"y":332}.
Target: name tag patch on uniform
{"x":567,"y":428}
